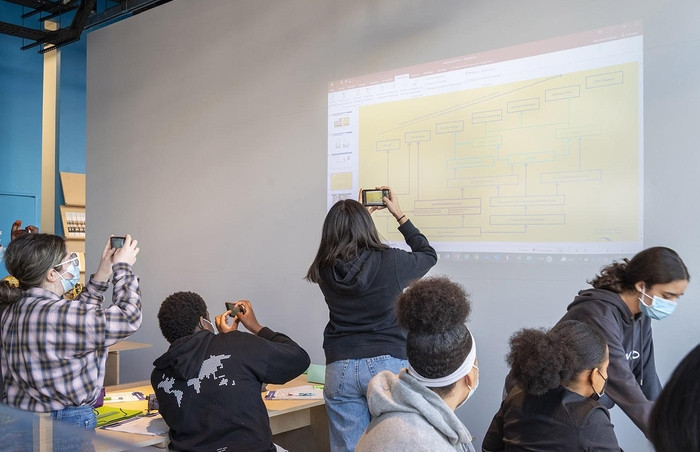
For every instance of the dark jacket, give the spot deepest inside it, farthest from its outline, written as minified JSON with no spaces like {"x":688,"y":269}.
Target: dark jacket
{"x":559,"y":420}
{"x":208,"y":388}
{"x":632,"y":380}
{"x":360,"y":295}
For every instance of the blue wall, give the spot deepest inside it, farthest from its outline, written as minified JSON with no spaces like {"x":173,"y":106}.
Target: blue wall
{"x":21,"y":74}
{"x":20,"y":130}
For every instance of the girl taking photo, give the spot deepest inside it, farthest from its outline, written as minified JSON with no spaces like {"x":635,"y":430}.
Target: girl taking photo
{"x":360,"y":278}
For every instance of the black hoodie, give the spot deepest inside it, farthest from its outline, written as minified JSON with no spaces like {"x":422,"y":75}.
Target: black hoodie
{"x":360,"y":294}
{"x":208,"y":388}
{"x":632,"y":380}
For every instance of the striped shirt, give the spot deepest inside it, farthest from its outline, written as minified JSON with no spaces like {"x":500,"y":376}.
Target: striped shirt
{"x":54,"y":351}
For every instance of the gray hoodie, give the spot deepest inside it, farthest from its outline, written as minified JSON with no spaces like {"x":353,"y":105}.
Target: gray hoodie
{"x":632,"y":380}
{"x":408,"y":416}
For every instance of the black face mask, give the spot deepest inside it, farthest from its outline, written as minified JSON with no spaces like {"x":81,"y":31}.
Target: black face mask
{"x":597,"y":395}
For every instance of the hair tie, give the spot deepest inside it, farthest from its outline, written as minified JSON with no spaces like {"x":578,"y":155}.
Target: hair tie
{"x":11,"y":281}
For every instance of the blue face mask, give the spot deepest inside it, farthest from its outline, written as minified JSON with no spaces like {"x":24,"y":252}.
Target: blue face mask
{"x":660,"y":307}
{"x":68,"y":284}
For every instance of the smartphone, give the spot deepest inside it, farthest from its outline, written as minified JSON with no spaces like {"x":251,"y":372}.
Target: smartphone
{"x":233,"y":308}
{"x":116,"y":242}
{"x":373,"y":197}
{"x":152,"y":402}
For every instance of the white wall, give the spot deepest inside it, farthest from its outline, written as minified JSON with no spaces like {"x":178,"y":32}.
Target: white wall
{"x":206,"y":139}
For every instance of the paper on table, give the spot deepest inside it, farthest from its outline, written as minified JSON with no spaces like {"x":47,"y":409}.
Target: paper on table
{"x":295,"y":393}
{"x":152,"y":424}
{"x":135,"y":396}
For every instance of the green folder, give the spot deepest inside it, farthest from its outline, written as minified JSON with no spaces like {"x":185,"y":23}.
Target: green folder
{"x":110,"y":414}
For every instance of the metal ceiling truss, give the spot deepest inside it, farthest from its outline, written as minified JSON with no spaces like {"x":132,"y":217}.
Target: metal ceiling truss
{"x":84,"y":13}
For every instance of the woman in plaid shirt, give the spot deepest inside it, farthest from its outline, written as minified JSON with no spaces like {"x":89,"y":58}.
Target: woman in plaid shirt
{"x":54,"y":350}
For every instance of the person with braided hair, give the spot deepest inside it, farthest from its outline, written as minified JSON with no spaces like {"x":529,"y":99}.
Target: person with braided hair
{"x":561,"y":374}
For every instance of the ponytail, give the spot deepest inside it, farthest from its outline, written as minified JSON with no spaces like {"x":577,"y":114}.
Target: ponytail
{"x":9,"y":292}
{"x":542,"y":360}
{"x":657,"y":265}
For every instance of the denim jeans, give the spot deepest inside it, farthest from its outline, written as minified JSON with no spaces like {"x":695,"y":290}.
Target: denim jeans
{"x":65,"y":440}
{"x":82,"y":416}
{"x":345,"y":393}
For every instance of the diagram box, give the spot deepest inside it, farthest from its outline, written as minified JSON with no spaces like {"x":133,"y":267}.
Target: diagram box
{"x":524,"y":201}
{"x":472,"y":162}
{"x":420,"y":135}
{"x":571,"y":176}
{"x":531,"y":157}
{"x":479,"y":142}
{"x":565,"y":92}
{"x":449,"y":127}
{"x":518,"y":106}
{"x":486,"y":181}
{"x":388,"y":145}
{"x":465,"y":206}
{"x":487,"y":116}
{"x":537,"y":219}
{"x":608,"y":79}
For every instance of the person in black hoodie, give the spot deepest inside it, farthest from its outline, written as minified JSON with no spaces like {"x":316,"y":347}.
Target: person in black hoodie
{"x":208,"y":385}
{"x":624,"y":298}
{"x":560,"y":373}
{"x":360,"y":278}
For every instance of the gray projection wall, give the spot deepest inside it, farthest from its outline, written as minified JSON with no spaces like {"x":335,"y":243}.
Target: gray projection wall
{"x":207,"y":141}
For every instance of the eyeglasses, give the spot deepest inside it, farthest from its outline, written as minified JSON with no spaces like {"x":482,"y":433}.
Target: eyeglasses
{"x":72,"y":258}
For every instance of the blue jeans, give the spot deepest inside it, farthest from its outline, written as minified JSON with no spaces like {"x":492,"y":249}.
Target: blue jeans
{"x":65,"y":440}
{"x":345,"y":393}
{"x":82,"y":416}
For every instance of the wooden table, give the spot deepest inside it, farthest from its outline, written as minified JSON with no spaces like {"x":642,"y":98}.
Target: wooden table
{"x":287,"y":416}
{"x":297,"y":425}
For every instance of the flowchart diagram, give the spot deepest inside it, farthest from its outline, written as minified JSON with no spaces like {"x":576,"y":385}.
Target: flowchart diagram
{"x":554,"y":159}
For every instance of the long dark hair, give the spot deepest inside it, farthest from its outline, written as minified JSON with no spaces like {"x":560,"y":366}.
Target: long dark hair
{"x":434,"y":310}
{"x":347,"y":231}
{"x":28,"y":258}
{"x":542,"y":360}
{"x":675,"y":419}
{"x":657,"y":265}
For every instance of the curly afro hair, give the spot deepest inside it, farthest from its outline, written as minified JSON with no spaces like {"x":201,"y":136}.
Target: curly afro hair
{"x":434,"y":310}
{"x":541,"y":360}
{"x":179,"y":315}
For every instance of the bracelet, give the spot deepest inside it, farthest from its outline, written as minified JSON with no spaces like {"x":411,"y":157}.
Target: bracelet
{"x":399,"y":219}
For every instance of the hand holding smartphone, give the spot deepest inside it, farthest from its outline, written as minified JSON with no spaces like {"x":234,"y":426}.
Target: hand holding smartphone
{"x":234,"y":309}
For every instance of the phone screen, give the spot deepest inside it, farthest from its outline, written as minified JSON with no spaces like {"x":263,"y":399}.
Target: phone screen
{"x":116,"y":242}
{"x":374,"y":197}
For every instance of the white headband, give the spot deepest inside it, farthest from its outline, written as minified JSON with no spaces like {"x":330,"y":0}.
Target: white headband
{"x":461,"y":372}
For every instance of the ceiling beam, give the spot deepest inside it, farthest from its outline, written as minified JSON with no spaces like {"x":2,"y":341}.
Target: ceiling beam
{"x":34,"y":4}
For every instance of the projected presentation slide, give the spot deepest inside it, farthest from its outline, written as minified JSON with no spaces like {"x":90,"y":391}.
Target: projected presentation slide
{"x":535,"y":148}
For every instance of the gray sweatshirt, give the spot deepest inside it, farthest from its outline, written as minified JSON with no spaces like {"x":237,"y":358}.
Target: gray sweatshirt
{"x":409,"y":416}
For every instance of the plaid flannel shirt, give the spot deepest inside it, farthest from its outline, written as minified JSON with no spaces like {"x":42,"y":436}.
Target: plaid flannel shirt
{"x":54,"y":351}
